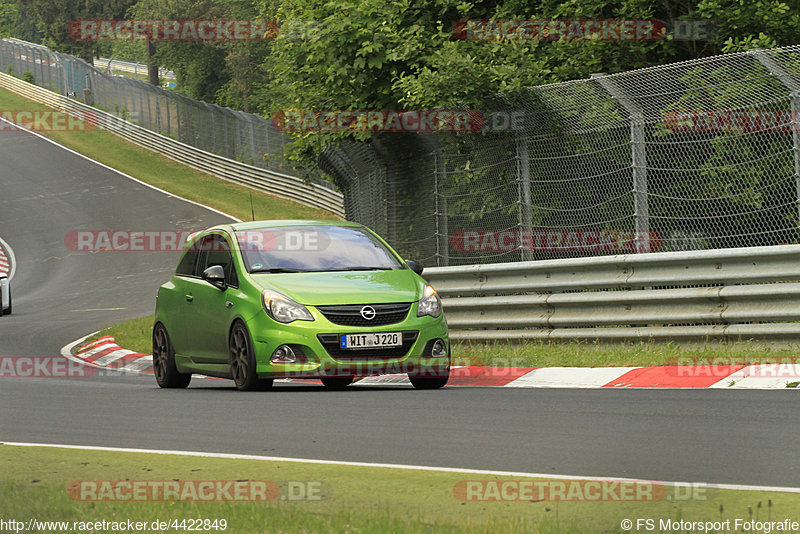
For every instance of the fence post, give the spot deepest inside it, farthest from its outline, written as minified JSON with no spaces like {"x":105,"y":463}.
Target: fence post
{"x":40,"y":80}
{"x":88,"y":97}
{"x":252,"y":133}
{"x":524,"y":192}
{"x":49,"y":71}
{"x":440,"y":206}
{"x":179,"y":131}
{"x":159,"y":116}
{"x":62,"y":67}
{"x":38,"y":60}
{"x":639,"y":160}
{"x":212,"y":119}
{"x":140,"y":114}
{"x":796,"y":148}
{"x":149,"y":96}
{"x":787,"y":80}
{"x":166,"y":112}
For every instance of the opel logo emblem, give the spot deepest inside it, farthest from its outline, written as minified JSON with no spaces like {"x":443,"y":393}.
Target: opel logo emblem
{"x":368,"y":313}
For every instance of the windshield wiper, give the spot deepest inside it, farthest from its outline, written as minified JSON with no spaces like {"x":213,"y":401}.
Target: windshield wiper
{"x":361,"y":268}
{"x":277,"y":270}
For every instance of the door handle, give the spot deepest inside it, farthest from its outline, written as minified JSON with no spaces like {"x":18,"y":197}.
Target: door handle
{"x":189,"y":297}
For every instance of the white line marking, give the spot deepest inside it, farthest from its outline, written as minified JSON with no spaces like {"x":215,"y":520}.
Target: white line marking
{"x":738,"y":487}
{"x":128,"y":176}
{"x":11,"y":257}
{"x":98,"y":309}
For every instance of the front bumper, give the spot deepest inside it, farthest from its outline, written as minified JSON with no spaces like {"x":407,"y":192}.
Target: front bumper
{"x":317,"y":344}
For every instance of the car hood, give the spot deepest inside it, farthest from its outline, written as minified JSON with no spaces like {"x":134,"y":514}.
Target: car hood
{"x":347,"y":287}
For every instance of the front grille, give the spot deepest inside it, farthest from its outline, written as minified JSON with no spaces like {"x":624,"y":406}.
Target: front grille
{"x":331,"y":344}
{"x":351,"y":315}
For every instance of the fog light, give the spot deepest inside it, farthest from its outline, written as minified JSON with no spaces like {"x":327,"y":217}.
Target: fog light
{"x":439,"y":349}
{"x":283,"y":354}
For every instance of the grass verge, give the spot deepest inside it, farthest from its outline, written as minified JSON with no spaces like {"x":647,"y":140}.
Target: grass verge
{"x":347,"y":498}
{"x":169,"y":175}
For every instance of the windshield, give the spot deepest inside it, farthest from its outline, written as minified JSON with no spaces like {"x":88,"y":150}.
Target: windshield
{"x":314,"y":248}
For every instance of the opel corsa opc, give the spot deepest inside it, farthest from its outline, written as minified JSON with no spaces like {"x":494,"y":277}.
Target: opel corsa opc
{"x":262,"y":300}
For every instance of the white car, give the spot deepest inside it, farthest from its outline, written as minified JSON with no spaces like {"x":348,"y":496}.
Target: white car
{"x":5,"y":295}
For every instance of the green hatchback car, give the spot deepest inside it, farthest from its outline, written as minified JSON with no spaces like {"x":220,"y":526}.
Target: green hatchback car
{"x":326,"y":300}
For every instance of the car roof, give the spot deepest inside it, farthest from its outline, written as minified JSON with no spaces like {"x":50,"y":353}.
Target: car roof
{"x":276,"y":223}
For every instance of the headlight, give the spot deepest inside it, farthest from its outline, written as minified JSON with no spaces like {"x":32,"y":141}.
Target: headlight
{"x":429,"y":304}
{"x":283,"y":309}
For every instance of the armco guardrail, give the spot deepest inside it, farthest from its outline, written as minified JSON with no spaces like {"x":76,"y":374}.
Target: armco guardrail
{"x":131,"y":67}
{"x":727,"y":294}
{"x":271,"y":182}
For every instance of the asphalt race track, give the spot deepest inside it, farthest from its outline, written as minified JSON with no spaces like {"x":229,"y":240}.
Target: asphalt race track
{"x":715,"y":436}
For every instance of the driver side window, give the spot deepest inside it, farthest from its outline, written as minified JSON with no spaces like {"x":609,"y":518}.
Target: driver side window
{"x":215,"y":250}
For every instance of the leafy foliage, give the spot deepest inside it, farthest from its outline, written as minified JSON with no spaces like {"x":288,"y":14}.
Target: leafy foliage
{"x":53,"y":17}
{"x":753,"y":24}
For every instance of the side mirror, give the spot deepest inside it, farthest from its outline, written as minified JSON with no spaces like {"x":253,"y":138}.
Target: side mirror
{"x":414,"y":266}
{"x":215,"y":275}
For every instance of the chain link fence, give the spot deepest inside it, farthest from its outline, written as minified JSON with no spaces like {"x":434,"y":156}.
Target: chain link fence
{"x":702,"y":154}
{"x":240,"y":136}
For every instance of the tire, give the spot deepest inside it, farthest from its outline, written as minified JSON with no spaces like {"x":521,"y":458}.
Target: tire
{"x":8,"y":311}
{"x":167,"y":375}
{"x":337,"y":382}
{"x":431,"y":381}
{"x":242,"y":360}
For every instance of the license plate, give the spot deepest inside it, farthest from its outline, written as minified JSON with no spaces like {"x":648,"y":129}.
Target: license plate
{"x":370,"y":341}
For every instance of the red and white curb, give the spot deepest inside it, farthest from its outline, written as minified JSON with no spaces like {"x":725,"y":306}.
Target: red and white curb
{"x":8,"y":262}
{"x":105,"y":353}
{"x":5,"y":267}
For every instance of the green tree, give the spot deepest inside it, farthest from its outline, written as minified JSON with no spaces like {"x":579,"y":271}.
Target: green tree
{"x":345,"y":54}
{"x":15,"y":22}
{"x":9,"y":15}
{"x":53,"y":17}
{"x":212,"y":71}
{"x":753,"y":24}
